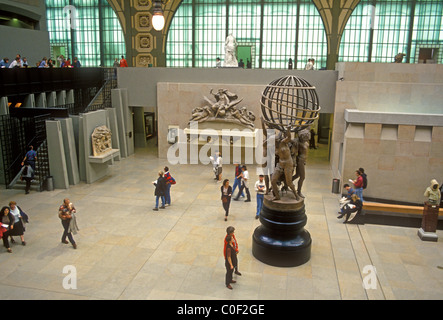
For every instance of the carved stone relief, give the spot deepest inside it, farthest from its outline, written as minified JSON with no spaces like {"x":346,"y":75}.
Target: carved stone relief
{"x":101,"y":141}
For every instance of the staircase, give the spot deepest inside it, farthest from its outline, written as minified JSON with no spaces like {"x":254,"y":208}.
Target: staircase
{"x":40,"y":175}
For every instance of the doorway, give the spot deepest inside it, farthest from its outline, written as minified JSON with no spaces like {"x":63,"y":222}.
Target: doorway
{"x":244,"y":54}
{"x":427,"y":55}
{"x":56,"y":51}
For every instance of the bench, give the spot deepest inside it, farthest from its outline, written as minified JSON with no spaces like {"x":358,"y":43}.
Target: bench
{"x":393,"y":214}
{"x":398,"y":208}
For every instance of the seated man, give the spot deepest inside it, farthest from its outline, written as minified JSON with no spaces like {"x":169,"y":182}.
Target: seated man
{"x":349,"y":190}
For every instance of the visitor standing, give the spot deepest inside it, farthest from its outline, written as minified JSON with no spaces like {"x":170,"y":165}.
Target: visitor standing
{"x":6,"y":227}
{"x":160,"y":190}
{"x":358,"y":184}
{"x":226,"y":193}
{"x":20,"y":218}
{"x":230,"y":231}
{"x":219,"y":163}
{"x":123,"y":62}
{"x":260,"y":188}
{"x":312,"y":140}
{"x":169,"y":182}
{"x":230,"y":261}
{"x":76,"y":63}
{"x":66,"y":213}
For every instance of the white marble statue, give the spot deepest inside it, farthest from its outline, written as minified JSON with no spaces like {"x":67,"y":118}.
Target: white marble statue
{"x":230,"y":51}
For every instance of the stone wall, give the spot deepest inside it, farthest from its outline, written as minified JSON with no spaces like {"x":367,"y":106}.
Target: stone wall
{"x":388,"y":119}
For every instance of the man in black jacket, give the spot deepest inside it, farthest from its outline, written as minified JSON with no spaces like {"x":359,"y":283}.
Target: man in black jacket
{"x":160,"y":190}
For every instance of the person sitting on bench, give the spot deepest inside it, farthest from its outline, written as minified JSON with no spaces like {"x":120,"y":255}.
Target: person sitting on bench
{"x":354,"y":206}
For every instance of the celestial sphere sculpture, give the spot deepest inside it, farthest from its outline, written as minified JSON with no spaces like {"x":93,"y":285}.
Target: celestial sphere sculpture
{"x":289,"y":101}
{"x":288,"y":104}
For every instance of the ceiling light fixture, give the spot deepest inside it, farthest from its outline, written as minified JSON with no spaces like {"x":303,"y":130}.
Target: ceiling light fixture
{"x":158,"y":19}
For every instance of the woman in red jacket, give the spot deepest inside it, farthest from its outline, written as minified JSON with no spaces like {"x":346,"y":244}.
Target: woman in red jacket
{"x":358,"y":185}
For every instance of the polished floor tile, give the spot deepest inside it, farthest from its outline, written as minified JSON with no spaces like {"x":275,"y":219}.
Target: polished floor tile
{"x":128,"y":251}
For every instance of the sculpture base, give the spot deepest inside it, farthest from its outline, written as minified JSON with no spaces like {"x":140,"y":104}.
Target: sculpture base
{"x":427,"y":236}
{"x":281,"y":240}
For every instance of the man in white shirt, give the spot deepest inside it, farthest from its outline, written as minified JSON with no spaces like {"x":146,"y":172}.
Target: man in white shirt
{"x":16,"y":63}
{"x":244,"y":185}
{"x":310,"y":64}
{"x":260,"y":188}
{"x":219,"y":163}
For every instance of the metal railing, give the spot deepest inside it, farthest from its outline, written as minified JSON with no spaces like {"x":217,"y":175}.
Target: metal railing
{"x":17,"y":134}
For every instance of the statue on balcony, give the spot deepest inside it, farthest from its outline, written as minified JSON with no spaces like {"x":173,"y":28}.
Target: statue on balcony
{"x":231,"y":51}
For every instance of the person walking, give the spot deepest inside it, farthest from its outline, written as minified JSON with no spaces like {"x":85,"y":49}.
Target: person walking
{"x":237,"y":178}
{"x":66,"y":213}
{"x":169,"y":182}
{"x":226,"y":193}
{"x":27,"y":174}
{"x":6,"y":226}
{"x":20,"y":218}
{"x":244,"y":185}
{"x":31,"y":158}
{"x":230,"y":261}
{"x":160,"y":190}
{"x":260,"y":189}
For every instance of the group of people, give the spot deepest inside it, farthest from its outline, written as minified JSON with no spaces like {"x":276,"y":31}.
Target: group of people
{"x":241,"y":180}
{"x":163,"y":186}
{"x":13,"y":220}
{"x":45,"y":62}
{"x":352,"y":202}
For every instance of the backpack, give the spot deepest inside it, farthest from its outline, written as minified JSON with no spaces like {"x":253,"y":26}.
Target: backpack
{"x":365,"y":180}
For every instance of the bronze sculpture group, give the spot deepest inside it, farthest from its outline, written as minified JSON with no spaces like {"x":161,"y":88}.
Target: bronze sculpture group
{"x":290,"y":161}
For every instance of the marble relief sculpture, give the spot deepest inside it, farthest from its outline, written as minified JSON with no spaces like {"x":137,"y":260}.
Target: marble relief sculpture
{"x":224,"y":108}
{"x":101,"y":141}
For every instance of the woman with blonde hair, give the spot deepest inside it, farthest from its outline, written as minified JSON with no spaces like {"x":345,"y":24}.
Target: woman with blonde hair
{"x":354,"y":207}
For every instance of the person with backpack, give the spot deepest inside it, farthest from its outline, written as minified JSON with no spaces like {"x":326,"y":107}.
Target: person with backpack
{"x":364,"y":176}
{"x":27,"y":174}
{"x":31,"y":158}
{"x":169,"y":182}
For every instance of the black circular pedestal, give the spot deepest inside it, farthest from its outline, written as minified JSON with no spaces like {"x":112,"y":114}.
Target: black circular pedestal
{"x":281,"y":240}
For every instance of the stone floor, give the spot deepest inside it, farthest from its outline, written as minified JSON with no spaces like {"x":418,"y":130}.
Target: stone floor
{"x":127,"y":251}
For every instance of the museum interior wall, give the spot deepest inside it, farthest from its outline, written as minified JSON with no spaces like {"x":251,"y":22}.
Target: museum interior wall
{"x":388,"y":120}
{"x":174,"y":92}
{"x":27,"y":29}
